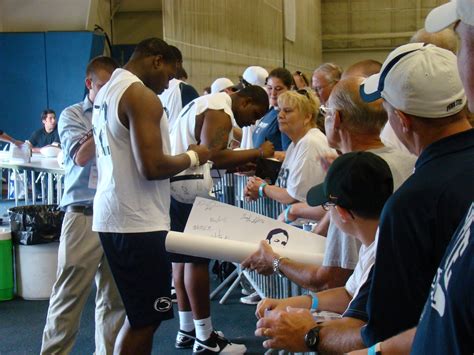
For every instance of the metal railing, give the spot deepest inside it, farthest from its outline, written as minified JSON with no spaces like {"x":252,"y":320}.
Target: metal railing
{"x":230,"y":189}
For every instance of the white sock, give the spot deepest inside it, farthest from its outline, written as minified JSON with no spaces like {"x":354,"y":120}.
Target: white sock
{"x":186,"y":321}
{"x":203,"y":328}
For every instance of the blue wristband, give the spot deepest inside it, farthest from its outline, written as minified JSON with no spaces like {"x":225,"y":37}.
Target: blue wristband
{"x":315,"y":302}
{"x":371,"y":350}
{"x":261,"y":193}
{"x":287,"y":212}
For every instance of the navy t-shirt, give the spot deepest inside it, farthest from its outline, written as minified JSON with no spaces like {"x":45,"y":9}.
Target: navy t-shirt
{"x":41,"y":138}
{"x":416,"y":225}
{"x":358,"y":306}
{"x":447,"y":322}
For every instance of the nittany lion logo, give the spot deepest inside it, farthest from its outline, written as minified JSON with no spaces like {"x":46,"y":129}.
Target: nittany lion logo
{"x":163,"y":304}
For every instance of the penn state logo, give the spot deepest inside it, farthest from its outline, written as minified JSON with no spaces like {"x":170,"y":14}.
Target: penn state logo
{"x":163,"y":304}
{"x":438,"y":298}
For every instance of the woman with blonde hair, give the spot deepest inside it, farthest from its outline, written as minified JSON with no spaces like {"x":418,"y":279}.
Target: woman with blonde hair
{"x":302,"y":168}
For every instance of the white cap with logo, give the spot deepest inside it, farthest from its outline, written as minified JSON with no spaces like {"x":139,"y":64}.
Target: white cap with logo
{"x":442,"y":16}
{"x":221,"y":84}
{"x":418,"y":79}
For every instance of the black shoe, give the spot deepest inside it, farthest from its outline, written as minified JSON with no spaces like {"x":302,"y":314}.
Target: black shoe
{"x":217,"y":344}
{"x":185,"y":340}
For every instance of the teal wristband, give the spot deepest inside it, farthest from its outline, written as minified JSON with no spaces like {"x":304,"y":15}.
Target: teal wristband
{"x":315,"y":301}
{"x":287,"y":212}
{"x":371,"y":350}
{"x":261,"y":193}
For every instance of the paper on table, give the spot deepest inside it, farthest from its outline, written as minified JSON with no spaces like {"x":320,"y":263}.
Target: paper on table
{"x":228,"y":250}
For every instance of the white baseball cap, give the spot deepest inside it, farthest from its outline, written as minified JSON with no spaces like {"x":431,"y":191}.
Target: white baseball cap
{"x":255,"y":75}
{"x":442,"y":16}
{"x":221,"y":84}
{"x":419,"y":79}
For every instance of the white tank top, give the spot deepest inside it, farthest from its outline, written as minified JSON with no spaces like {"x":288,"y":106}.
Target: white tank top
{"x":182,"y":133}
{"x":125,"y":202}
{"x":171,"y":100}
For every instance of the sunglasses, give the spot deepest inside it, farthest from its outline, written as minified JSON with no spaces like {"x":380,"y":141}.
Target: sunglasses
{"x":303,"y":92}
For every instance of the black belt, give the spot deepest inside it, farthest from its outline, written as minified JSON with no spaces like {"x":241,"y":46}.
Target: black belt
{"x":85,"y":210}
{"x":187,"y":177}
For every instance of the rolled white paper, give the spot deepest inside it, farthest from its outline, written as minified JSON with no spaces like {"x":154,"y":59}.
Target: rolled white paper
{"x":228,"y":250}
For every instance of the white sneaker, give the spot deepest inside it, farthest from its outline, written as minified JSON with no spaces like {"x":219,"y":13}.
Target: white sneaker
{"x":245,"y":292}
{"x":252,"y":299}
{"x":217,"y":344}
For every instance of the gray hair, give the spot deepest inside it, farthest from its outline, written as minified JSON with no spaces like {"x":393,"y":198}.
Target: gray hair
{"x":358,"y":116}
{"x":332,"y":72}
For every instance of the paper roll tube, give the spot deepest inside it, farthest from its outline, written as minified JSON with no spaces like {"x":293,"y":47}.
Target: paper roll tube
{"x":228,"y":250}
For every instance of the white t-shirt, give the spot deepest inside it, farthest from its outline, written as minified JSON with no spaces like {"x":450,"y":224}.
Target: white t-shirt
{"x":362,"y":269}
{"x":390,"y":139}
{"x":247,"y":136}
{"x":125,"y":202}
{"x":342,"y":250}
{"x":302,"y":168}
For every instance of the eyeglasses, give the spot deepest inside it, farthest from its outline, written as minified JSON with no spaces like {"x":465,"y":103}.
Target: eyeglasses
{"x":327,"y":205}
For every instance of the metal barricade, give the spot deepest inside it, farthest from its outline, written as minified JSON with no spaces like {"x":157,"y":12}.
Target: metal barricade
{"x":230,"y":189}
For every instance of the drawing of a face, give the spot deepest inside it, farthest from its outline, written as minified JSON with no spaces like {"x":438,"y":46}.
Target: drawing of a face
{"x":278,"y":237}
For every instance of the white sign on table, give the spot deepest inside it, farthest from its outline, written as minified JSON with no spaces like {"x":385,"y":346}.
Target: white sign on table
{"x":217,"y":230}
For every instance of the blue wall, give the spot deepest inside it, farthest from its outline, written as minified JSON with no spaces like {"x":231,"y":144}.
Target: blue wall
{"x":40,"y":70}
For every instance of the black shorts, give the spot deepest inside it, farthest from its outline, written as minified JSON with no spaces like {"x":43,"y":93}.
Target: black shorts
{"x":179,"y":213}
{"x":142,"y":271}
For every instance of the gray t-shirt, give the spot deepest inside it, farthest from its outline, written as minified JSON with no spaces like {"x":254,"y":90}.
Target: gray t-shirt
{"x":342,"y":250}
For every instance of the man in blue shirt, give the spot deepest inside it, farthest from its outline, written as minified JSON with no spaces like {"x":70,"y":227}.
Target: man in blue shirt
{"x":48,"y":134}
{"x":426,"y":105}
{"x":81,"y":258}
{"x":446,"y":324}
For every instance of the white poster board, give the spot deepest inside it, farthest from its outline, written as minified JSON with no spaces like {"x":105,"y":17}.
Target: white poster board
{"x":220,"y":231}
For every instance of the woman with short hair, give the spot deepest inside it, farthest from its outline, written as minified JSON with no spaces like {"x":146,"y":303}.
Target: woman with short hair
{"x":302,"y":168}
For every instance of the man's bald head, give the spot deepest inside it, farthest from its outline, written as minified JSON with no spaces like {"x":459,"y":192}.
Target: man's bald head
{"x":446,"y":39}
{"x":364,"y":68}
{"x":357,"y":116}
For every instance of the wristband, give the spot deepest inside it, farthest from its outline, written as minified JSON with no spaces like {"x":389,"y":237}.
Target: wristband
{"x":375,"y":349}
{"x":287,"y":212}
{"x":314,"y":302}
{"x":260,"y":150}
{"x":261,"y":193}
{"x":193,"y":156}
{"x":79,"y":144}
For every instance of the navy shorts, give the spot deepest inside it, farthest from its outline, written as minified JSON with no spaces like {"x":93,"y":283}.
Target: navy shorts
{"x":142,"y":271}
{"x":179,"y":213}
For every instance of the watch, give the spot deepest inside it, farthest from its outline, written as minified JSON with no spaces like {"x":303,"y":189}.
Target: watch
{"x":311,"y":338}
{"x":276,"y":265}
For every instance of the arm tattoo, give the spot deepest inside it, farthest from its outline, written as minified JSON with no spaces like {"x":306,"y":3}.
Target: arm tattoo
{"x":219,"y":140}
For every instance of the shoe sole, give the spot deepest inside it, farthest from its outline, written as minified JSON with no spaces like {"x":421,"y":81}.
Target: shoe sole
{"x":184,"y":346}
